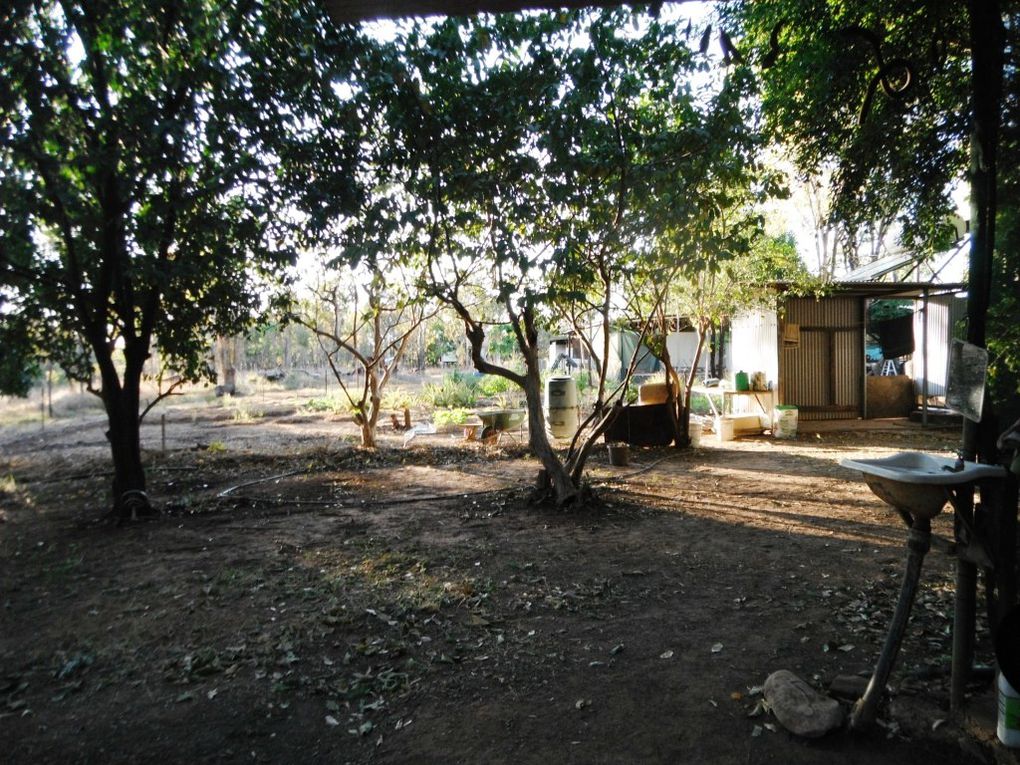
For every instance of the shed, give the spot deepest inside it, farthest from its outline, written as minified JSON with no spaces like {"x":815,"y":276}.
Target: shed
{"x":814,"y":350}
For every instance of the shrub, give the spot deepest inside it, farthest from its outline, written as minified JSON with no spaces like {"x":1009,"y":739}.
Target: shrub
{"x":491,"y":386}
{"x":445,"y":417}
{"x":330,"y":404}
{"x":455,"y":390}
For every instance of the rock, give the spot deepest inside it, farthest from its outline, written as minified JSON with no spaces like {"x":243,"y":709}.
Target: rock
{"x":799,"y":707}
{"x":848,"y":687}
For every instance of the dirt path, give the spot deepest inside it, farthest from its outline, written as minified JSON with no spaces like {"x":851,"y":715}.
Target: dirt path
{"x":303,"y":601}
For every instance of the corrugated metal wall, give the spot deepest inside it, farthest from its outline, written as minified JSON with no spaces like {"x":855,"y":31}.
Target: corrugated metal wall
{"x":944,"y":312}
{"x":824,"y":375}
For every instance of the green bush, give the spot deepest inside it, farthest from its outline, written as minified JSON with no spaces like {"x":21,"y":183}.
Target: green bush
{"x":630,"y":396}
{"x":700,"y":404}
{"x":455,"y":390}
{"x":329,"y":404}
{"x":491,"y":386}
{"x":458,"y":416}
{"x":397,"y":399}
{"x":584,"y":382}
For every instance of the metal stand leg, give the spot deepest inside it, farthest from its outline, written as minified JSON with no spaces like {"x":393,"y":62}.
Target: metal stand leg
{"x":918,"y":544}
{"x":963,"y":632}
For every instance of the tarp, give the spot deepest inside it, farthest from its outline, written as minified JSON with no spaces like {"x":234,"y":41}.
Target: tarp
{"x":896,"y":336}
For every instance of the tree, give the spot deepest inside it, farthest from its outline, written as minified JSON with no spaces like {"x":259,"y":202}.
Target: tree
{"x":386,"y":317}
{"x":160,"y":164}
{"x":533,"y":152}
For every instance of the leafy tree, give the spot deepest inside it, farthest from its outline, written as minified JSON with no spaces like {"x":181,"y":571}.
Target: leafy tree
{"x":532,"y":152}
{"x":159,"y":163}
{"x":440,"y":340}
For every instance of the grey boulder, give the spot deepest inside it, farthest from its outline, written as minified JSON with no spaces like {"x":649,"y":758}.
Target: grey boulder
{"x":799,"y":707}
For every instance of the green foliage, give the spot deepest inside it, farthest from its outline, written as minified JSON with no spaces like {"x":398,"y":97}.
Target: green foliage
{"x":1003,"y":327}
{"x":632,"y":393}
{"x":502,"y":341}
{"x":330,"y":404}
{"x":456,"y":416}
{"x":160,"y":168}
{"x":491,"y":386}
{"x":19,"y":366}
{"x":398,"y":399}
{"x":455,"y":390}
{"x":879,"y":310}
{"x":895,"y":152}
{"x":136,"y":182}
{"x":584,"y":383}
{"x":441,"y":337}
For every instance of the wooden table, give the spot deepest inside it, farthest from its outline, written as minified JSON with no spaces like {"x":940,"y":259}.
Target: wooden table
{"x":766,"y":400}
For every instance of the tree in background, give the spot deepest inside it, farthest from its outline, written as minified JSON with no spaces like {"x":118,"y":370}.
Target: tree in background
{"x":370,"y":313}
{"x":159,"y":165}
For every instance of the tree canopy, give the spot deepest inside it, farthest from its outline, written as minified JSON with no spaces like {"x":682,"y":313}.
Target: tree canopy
{"x":531,"y":160}
{"x":160,"y":165}
{"x":878,"y":92}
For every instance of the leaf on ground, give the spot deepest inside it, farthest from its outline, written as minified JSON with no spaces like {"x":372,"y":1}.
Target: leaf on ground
{"x":717,"y":647}
{"x":666,"y":654}
{"x":332,"y":721}
{"x":759,"y":709}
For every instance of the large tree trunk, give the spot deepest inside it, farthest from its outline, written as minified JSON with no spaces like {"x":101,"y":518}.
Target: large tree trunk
{"x":129,"y":496}
{"x":121,"y":400}
{"x":556,"y":475}
{"x":226,"y":361}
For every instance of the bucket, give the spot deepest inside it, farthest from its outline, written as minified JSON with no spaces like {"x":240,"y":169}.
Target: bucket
{"x":694,"y":431}
{"x":562,"y":422}
{"x":560,"y":393}
{"x":786,"y":422}
{"x":724,"y":428}
{"x":619,"y":454}
{"x":1008,"y":729}
{"x":740,"y":381}
{"x":1007,"y":655}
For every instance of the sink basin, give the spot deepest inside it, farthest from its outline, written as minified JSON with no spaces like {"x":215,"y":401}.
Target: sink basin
{"x":918,"y":483}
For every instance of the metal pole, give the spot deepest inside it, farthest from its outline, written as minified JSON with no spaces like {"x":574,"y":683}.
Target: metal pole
{"x":918,"y":544}
{"x":965,"y":606}
{"x":924,"y":357}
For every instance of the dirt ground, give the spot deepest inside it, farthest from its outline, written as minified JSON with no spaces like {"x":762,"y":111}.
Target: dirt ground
{"x":302,"y":600}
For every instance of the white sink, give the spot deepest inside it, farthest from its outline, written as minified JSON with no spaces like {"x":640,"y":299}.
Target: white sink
{"x":919,"y":483}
